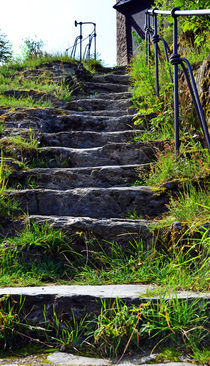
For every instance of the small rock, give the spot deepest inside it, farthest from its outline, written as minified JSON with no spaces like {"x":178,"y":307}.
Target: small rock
{"x":59,"y":358}
{"x":177,"y":225}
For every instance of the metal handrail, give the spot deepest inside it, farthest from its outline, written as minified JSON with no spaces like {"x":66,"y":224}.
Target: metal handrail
{"x":81,"y":39}
{"x":86,"y":54}
{"x":180,"y":12}
{"x":175,"y":60}
{"x":81,"y":36}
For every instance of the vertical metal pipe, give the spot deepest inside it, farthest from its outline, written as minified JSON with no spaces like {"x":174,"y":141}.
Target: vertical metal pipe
{"x":156,"y":52}
{"x":80,"y":41}
{"x":149,"y":50}
{"x":176,"y":86}
{"x":145,"y":28}
{"x":95,"y":41}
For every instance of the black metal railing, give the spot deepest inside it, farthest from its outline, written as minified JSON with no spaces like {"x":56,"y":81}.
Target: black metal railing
{"x":79,"y":40}
{"x":151,"y":32}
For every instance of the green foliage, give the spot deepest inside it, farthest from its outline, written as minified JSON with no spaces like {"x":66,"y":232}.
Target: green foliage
{"x":32,"y":48}
{"x":5,"y":49}
{"x":41,"y":253}
{"x":193,"y":164}
{"x":8,"y":206}
{"x":23,"y":102}
{"x":121,"y":329}
{"x":38,"y":254}
{"x":194,"y":29}
{"x":191,"y":204}
{"x":16,"y":329}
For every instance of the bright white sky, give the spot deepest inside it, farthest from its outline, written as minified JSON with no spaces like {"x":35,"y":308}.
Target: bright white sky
{"x":53,"y":22}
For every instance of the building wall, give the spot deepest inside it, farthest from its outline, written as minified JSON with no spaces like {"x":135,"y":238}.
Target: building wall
{"x":122,"y":51}
{"x":126,"y":43}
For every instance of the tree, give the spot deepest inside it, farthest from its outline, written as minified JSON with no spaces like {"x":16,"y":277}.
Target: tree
{"x":5,"y":48}
{"x":32,"y":48}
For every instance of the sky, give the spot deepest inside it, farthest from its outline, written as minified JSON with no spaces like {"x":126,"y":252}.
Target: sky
{"x":52,"y":21}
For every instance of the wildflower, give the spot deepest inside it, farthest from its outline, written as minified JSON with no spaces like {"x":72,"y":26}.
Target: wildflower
{"x":19,"y":125}
{"x":14,"y":148}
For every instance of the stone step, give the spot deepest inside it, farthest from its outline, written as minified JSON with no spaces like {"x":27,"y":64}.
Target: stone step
{"x":110,"y":96}
{"x":111,"y":78}
{"x":110,"y":154}
{"x":84,"y":139}
{"x":102,"y":231}
{"x":40,"y":303}
{"x":97,"y":104}
{"x":91,"y":87}
{"x":55,"y":120}
{"x":93,"y":202}
{"x":69,"y":359}
{"x":80,"y":122}
{"x":64,"y":178}
{"x":110,"y":113}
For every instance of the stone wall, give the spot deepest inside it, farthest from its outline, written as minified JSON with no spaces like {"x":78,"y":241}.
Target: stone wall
{"x":202,"y":79}
{"x":122,"y":58}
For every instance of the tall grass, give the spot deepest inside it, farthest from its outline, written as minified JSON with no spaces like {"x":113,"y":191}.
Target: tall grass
{"x":180,"y":323}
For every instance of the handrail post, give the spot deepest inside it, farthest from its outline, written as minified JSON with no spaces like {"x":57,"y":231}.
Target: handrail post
{"x":95,"y":41}
{"x":148,"y":35}
{"x":80,"y":42}
{"x":175,"y":60}
{"x":155,"y":40}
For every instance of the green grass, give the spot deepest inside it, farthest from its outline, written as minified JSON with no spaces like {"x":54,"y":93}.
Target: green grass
{"x":169,"y":326}
{"x":23,"y":102}
{"x":192,"y":164}
{"x":12,"y":79}
{"x":41,"y":254}
{"x":177,"y":323}
{"x":192,"y":204}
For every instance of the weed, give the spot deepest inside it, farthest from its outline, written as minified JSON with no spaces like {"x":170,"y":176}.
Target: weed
{"x":180,"y":323}
{"x":21,"y":260}
{"x":192,"y":165}
{"x":191,"y":204}
{"x":134,"y":215}
{"x":8,"y":206}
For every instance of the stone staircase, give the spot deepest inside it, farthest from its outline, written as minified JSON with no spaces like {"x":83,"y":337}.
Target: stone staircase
{"x":87,"y":184}
{"x":91,"y":163}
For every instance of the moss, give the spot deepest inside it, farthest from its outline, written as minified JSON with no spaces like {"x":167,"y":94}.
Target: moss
{"x":168,"y":354}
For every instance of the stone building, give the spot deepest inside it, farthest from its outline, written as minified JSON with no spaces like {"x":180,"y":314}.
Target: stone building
{"x":130,"y":18}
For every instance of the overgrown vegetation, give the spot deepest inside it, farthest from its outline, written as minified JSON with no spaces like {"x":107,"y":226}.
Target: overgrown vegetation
{"x":40,"y":253}
{"x":118,"y":330}
{"x":190,"y":171}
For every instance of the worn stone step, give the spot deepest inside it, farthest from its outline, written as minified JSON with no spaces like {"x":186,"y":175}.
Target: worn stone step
{"x":85,"y":139}
{"x":97,"y":104}
{"x":93,"y":202}
{"x":68,"y":359}
{"x":110,"y":113}
{"x":111,"y":78}
{"x":102,"y":231}
{"x":40,"y":303}
{"x":80,"y":122}
{"x":110,"y":154}
{"x":91,"y":87}
{"x":64,"y":178}
{"x":111,"y":96}
{"x":55,"y":120}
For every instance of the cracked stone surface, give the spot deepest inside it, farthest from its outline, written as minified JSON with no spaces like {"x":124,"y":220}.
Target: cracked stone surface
{"x":114,"y":202}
